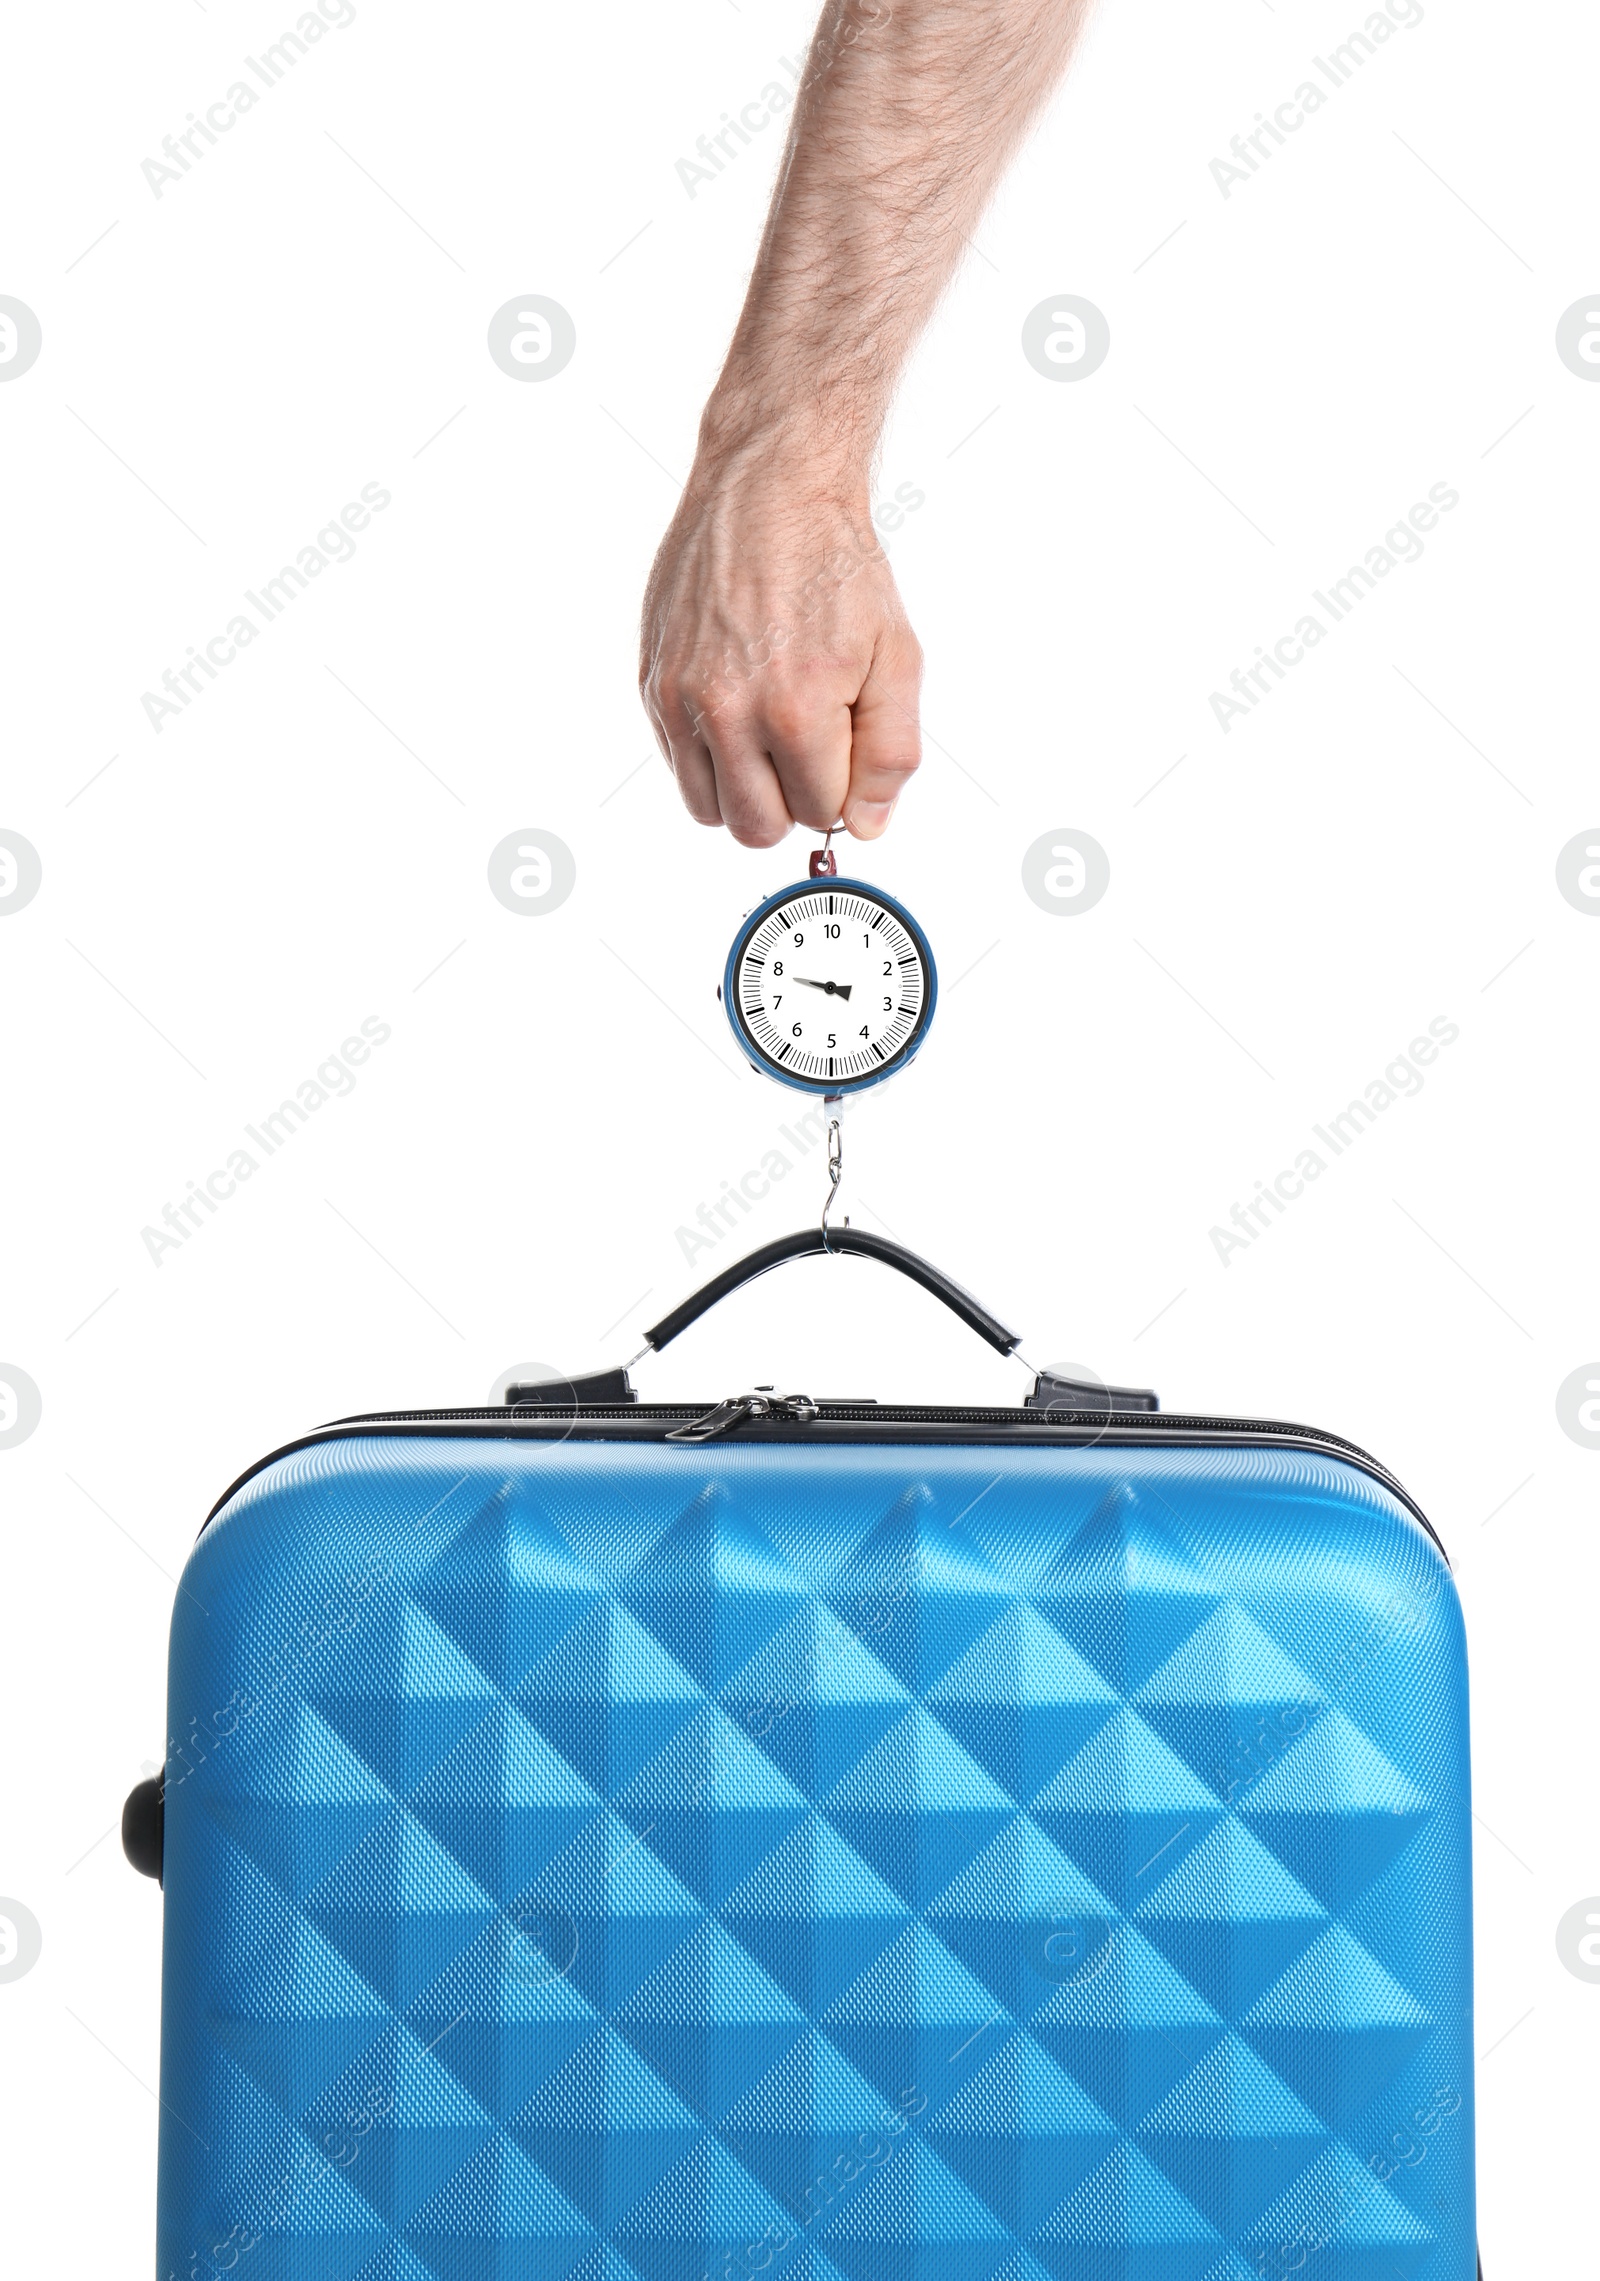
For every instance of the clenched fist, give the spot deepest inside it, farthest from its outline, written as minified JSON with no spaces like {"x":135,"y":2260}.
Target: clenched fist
{"x":776,"y":662}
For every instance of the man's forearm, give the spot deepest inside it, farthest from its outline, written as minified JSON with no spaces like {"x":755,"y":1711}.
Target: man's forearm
{"x":776,"y":660}
{"x":906,"y":117}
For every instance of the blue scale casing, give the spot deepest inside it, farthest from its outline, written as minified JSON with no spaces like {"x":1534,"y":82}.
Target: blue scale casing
{"x":628,"y":1862}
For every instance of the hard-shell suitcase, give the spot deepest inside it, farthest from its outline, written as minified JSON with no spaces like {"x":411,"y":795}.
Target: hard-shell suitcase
{"x":608,"y":1841}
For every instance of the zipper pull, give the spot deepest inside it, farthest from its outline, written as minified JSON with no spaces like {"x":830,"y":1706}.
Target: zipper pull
{"x":718,"y":1421}
{"x":758,"y":1404}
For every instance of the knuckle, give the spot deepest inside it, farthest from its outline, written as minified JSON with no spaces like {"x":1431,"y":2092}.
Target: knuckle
{"x":758,"y":830}
{"x":905,"y":657}
{"x":790,"y":716}
{"x":679,"y":695}
{"x":661,"y":691}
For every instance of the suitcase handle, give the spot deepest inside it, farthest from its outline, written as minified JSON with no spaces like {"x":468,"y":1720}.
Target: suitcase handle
{"x":811,"y":1241}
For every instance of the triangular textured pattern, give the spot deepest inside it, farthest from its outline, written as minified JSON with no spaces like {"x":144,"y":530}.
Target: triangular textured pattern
{"x":608,"y":1696}
{"x":1127,"y":1809}
{"x":1231,"y":1918}
{"x":1335,"y":1810}
{"x":1023,"y":1702}
{"x":294,"y":1796}
{"x":918,"y":2016}
{"x":1124,"y":1590}
{"x":1230,"y":1700}
{"x":498,"y":2219}
{"x":1012,"y":1913}
{"x":1231,"y":2136}
{"x":707,"y":2208}
{"x":411,"y":1702}
{"x":1337,"y":2027}
{"x":621,"y":1862}
{"x":816,"y":1698}
{"x":508,"y":1586}
{"x":295,"y":2008}
{"x":605,"y":2127}
{"x":613,"y":1911}
{"x":711,"y":2020}
{"x":503,"y":1801}
{"x":1127,"y":2025}
{"x":399,"y":1908}
{"x":1022,"y":2134}
{"x":713,"y":1590}
{"x":916,"y":1591}
{"x":787,"y":2126}
{"x":1129,"y":2221}
{"x":918,"y":1808}
{"x":397,"y":2124}
{"x":815,"y":1915}
{"x":1358,"y":2220}
{"x":500,"y":2019}
{"x":710,"y":1804}
{"x":395,"y":2262}
{"x":912,"y":2214}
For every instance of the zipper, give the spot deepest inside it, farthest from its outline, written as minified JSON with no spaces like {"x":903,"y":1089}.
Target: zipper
{"x":764,"y":1415}
{"x":763,"y":1402}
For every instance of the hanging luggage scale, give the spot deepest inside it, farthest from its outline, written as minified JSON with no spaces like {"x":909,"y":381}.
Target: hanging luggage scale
{"x":830,"y":984}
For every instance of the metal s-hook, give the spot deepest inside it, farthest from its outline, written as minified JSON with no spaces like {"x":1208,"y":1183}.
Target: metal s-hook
{"x":835,"y":1171}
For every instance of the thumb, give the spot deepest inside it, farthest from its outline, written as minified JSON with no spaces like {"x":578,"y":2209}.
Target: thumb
{"x":885,"y":737}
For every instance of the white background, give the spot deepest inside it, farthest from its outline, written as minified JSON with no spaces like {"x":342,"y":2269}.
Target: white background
{"x":1372,"y":313}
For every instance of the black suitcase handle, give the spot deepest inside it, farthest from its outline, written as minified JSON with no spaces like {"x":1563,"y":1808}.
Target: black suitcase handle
{"x":812,"y":1241}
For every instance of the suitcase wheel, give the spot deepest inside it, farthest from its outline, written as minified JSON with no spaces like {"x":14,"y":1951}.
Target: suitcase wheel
{"x":143,"y":1818}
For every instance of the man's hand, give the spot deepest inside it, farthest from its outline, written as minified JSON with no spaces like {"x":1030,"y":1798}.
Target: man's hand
{"x":778,"y":666}
{"x":776,"y":662}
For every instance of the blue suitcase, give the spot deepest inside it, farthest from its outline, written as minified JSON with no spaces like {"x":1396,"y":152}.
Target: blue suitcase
{"x":608,"y":1841}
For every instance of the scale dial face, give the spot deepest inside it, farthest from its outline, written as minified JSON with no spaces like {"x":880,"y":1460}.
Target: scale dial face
{"x":830,"y":986}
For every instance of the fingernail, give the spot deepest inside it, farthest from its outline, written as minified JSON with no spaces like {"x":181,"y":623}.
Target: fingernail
{"x":870,"y":817}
